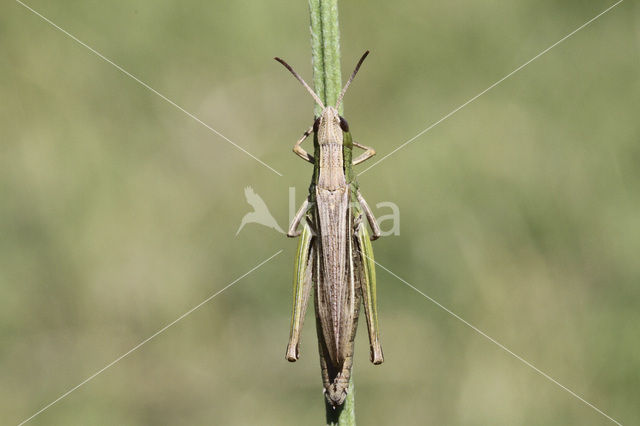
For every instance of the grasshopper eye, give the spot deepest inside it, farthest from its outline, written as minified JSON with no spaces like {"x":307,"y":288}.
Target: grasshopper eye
{"x":316,"y":124}
{"x":343,"y":124}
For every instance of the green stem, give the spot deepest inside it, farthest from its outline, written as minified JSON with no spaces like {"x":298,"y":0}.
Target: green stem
{"x":325,"y":51}
{"x":327,"y":82}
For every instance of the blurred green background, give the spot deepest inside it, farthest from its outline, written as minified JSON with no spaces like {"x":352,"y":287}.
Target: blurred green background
{"x":119,"y":212}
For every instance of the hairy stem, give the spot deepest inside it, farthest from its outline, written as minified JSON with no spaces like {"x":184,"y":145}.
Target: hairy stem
{"x":325,"y":51}
{"x":327,"y":82}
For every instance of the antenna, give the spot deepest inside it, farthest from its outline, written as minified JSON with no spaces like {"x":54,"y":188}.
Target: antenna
{"x":304,"y":83}
{"x":355,"y":71}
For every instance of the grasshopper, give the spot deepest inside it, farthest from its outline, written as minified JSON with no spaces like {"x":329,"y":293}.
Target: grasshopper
{"x":334,"y":254}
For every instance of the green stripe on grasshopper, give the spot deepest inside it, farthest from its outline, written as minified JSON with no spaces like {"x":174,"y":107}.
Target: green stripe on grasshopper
{"x":301,"y":289}
{"x":368,"y":287}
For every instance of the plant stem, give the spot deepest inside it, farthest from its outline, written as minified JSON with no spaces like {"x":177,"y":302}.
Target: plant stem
{"x":325,"y":51}
{"x":327,"y":82}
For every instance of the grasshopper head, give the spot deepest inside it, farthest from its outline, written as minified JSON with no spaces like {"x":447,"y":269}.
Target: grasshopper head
{"x":330,"y":125}
{"x":329,"y":117}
